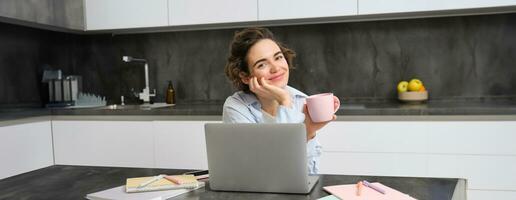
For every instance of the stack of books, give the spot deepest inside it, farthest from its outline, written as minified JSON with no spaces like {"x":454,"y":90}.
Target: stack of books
{"x":161,"y":182}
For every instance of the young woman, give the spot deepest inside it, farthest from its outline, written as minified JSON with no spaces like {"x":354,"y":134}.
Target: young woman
{"x":258,"y":66}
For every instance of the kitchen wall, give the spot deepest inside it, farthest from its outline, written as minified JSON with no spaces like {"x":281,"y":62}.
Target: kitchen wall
{"x":456,"y":57}
{"x":24,"y":54}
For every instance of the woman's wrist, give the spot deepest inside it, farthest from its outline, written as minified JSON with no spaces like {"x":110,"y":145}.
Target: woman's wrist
{"x":285,"y":101}
{"x":310,"y":135}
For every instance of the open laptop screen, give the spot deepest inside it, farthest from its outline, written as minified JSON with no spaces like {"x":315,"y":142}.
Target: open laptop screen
{"x":257,"y":157}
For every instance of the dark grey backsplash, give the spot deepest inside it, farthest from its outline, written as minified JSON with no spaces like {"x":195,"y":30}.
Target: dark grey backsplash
{"x":24,"y":54}
{"x":473,"y":56}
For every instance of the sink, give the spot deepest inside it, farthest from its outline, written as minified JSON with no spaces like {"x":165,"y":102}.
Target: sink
{"x":136,"y":107}
{"x":119,"y":107}
{"x":156,"y":105}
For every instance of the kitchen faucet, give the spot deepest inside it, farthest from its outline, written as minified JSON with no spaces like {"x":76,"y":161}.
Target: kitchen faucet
{"x":145,"y":94}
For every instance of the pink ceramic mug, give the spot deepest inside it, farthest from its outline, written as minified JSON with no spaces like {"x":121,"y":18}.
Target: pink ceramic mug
{"x":320,"y":107}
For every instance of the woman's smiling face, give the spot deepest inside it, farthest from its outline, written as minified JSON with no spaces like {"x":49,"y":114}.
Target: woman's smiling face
{"x":266,"y":60}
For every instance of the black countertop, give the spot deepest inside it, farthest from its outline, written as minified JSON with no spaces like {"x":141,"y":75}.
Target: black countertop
{"x":20,"y":113}
{"x":383,"y":108}
{"x":476,"y":106}
{"x":75,"y":182}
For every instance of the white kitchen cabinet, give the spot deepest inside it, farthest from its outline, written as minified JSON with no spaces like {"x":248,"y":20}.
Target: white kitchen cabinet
{"x":374,"y":148}
{"x":489,"y":177}
{"x":195,"y":12}
{"x":180,"y":144}
{"x":400,"y":6}
{"x":124,"y":14}
{"x":25,"y":147}
{"x":483,"y":194}
{"x":104,"y":143}
{"x":366,"y":136}
{"x":472,"y":138}
{"x":201,"y":14}
{"x":373,"y":164}
{"x":483,"y":152}
{"x":286,"y":9}
{"x":484,"y":172}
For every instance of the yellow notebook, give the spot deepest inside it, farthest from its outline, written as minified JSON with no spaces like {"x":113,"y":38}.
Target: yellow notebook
{"x":160,"y":184}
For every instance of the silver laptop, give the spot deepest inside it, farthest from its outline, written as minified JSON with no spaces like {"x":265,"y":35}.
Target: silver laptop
{"x":258,"y":158}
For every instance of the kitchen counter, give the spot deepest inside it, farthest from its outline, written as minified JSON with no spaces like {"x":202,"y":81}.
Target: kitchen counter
{"x":431,"y":108}
{"x":23,"y":115}
{"x":387,"y":108}
{"x":20,"y":113}
{"x":75,"y":182}
{"x":469,"y":108}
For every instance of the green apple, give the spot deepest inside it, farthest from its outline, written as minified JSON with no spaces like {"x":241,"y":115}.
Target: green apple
{"x":402,"y":86}
{"x":415,"y":85}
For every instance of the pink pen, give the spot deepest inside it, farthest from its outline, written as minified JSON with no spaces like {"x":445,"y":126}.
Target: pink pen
{"x":374,"y":187}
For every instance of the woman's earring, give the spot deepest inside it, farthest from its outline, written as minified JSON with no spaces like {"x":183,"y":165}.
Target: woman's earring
{"x":245,"y":79}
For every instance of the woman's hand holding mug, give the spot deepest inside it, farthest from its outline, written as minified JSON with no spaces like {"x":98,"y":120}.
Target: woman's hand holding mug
{"x":319,"y":110}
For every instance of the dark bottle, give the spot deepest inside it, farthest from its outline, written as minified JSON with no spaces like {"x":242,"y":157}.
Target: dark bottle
{"x":171,"y":94}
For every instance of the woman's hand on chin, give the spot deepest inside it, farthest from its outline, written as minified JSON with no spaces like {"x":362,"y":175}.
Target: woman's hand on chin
{"x":269,"y":94}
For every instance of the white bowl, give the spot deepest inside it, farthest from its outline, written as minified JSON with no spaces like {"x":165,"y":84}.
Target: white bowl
{"x":413,"y":96}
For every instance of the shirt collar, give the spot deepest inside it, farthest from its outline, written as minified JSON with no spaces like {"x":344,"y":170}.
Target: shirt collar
{"x":296,"y":93}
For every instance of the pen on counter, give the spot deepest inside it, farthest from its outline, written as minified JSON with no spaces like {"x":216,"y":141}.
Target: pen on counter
{"x":154,"y":179}
{"x":359,"y":188}
{"x":173,"y":179}
{"x":374,"y":187}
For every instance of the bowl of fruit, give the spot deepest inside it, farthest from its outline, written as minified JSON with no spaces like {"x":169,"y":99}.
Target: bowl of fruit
{"x":412,"y":91}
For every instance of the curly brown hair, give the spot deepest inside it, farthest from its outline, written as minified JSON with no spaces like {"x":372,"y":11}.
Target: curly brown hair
{"x":236,"y":66}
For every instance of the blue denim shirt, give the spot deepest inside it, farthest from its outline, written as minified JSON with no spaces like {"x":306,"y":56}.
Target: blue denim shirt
{"x":245,"y":108}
